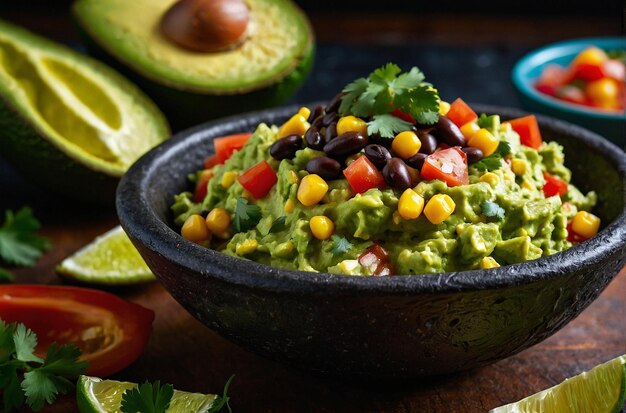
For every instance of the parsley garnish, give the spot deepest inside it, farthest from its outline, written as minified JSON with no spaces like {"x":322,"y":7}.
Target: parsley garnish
{"x":43,"y":379}
{"x":493,"y":210}
{"x":494,"y":161}
{"x":386,"y":89}
{"x":279,"y":224}
{"x":246,"y":216}
{"x":147,"y":398}
{"x":340,"y":245}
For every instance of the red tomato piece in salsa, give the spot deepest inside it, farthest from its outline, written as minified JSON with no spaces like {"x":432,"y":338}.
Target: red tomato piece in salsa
{"x":448,"y":165}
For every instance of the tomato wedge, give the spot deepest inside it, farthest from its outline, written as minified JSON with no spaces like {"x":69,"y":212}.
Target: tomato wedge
{"x":363,"y":175}
{"x":460,"y":113}
{"x":259,"y":179}
{"x":528,"y":130}
{"x":226,"y":145}
{"x":110,"y":331}
{"x":448,"y":165}
{"x":554,"y":185}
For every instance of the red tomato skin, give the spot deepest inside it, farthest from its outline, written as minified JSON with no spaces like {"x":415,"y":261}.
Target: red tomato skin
{"x":226,"y":145}
{"x":546,"y":89}
{"x":259,"y":179}
{"x":210,"y":162}
{"x":403,"y":115}
{"x":460,"y":113}
{"x":432,"y":168}
{"x":528,"y":130}
{"x":573,"y":237}
{"x":554,"y":185}
{"x":49,"y":309}
{"x":362,"y":175}
{"x":588,"y":72}
{"x":376,"y":259}
{"x":201,"y":186}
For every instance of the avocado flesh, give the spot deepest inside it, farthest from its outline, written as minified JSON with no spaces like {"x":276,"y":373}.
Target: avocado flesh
{"x":67,"y":121}
{"x":278,"y":39}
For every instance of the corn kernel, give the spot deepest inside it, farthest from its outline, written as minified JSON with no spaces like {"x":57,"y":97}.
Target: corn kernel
{"x":439,"y":208}
{"x":247,"y":247}
{"x":228,"y":179}
{"x":304,"y":112}
{"x":293,"y":177}
{"x":485,"y":141}
{"x":296,"y":125}
{"x":488,"y":262}
{"x":459,"y":229}
{"x":195,"y":230}
{"x":311,"y":190}
{"x":406,"y":144}
{"x":351,"y":124}
{"x":469,"y":129}
{"x":290,"y":205}
{"x":321,"y":227}
{"x":396,"y":218}
{"x":527,"y":185}
{"x":444,"y":107}
{"x":585,"y":224}
{"x":218,"y":221}
{"x":348,"y":266}
{"x":491,"y":178}
{"x":519,"y":166}
{"x":410,"y":205}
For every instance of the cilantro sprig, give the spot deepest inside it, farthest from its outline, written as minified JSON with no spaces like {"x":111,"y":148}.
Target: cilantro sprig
{"x":494,"y":161}
{"x":340,"y":245}
{"x":246,"y":215}
{"x":27,"y":378}
{"x":385,"y":90}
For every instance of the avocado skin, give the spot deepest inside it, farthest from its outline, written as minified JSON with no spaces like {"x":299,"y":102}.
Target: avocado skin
{"x":184,"y":109}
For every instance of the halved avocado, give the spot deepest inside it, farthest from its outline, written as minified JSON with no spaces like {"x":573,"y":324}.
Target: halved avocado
{"x":192,"y":87}
{"x":68,"y":122}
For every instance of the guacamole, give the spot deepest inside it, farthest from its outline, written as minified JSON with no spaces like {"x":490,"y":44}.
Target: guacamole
{"x":498,"y":197}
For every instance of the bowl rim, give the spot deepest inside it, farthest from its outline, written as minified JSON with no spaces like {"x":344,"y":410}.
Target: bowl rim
{"x":146,"y":230}
{"x":545,"y":55}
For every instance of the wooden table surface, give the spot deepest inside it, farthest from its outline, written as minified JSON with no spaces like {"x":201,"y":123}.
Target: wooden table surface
{"x":183,"y":352}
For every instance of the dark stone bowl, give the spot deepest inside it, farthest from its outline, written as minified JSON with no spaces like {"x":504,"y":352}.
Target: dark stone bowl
{"x":399,"y":326}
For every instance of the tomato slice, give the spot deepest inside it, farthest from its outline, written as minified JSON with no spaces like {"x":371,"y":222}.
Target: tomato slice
{"x":111,"y":332}
{"x":460,"y":113}
{"x":363,"y":175}
{"x":226,"y":145}
{"x":376,"y":259}
{"x":201,"y":186}
{"x":554,"y":185}
{"x":448,"y":165}
{"x":259,"y":179}
{"x":528,"y":130}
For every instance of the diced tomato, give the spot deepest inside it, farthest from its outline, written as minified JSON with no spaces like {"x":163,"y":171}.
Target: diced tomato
{"x":363,"y":175}
{"x":259,"y":179}
{"x":554,"y":185}
{"x":201,"y":185}
{"x":546,"y":89}
{"x":460,"y":113}
{"x":587,"y":71}
{"x":448,"y":165}
{"x":376,"y":259}
{"x":572,"y":236}
{"x":528,"y":130}
{"x":226,"y":145}
{"x":403,"y":115}
{"x":210,"y":162}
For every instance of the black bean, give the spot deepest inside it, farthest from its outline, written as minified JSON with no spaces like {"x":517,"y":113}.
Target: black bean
{"x":379,"y":140}
{"x":325,"y":167}
{"x":377,"y":154}
{"x":330,"y":118}
{"x":429,"y":143}
{"x":473,"y":154}
{"x":331,"y":132}
{"x":416,"y":161}
{"x":318,"y":111}
{"x":449,"y":132}
{"x":397,"y":174}
{"x":333,"y":105}
{"x":285,"y":148}
{"x":345,"y":144}
{"x":313,"y":138}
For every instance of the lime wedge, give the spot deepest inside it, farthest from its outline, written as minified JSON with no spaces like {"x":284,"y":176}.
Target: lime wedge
{"x":95,"y":395}
{"x":599,"y":390}
{"x":110,"y":259}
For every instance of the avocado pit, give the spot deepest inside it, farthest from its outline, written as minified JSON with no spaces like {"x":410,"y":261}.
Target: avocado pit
{"x":206,"y":25}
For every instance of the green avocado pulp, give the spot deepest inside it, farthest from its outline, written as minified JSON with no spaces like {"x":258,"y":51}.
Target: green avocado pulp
{"x":533,"y":226}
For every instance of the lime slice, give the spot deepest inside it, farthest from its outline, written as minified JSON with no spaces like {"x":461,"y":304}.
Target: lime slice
{"x":95,"y":395}
{"x":599,"y":390}
{"x":110,"y":259}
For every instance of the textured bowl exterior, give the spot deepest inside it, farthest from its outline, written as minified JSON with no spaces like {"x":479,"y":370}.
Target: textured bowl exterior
{"x":401,"y":326}
{"x":527,"y":70}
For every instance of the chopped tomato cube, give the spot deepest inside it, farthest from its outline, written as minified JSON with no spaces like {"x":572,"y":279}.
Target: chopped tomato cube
{"x":363,"y":175}
{"x":528,"y":130}
{"x":210,"y":162}
{"x":460,"y":113}
{"x":202,"y":185}
{"x":554,"y":185}
{"x":403,"y":115}
{"x":259,"y":179}
{"x":226,"y":145}
{"x":448,"y":165}
{"x":376,"y":259}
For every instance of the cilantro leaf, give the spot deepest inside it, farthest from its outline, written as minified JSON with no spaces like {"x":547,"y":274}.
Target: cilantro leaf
{"x":7,"y":345}
{"x":422,"y":103}
{"x":147,"y":398}
{"x":221,"y":401}
{"x":63,"y":361}
{"x":352,"y":92}
{"x":41,"y":386}
{"x":340,"y":245}
{"x":387,"y":125}
{"x":493,"y":161}
{"x":12,"y":394}
{"x":246,"y":216}
{"x":408,"y":80}
{"x":492,"y":210}
{"x":25,"y":341}
{"x":503,"y":149}
{"x":279,"y":224}
{"x":18,"y":243}
{"x":6,"y":276}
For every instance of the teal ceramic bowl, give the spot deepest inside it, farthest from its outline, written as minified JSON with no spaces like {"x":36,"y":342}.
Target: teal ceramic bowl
{"x":527,"y":70}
